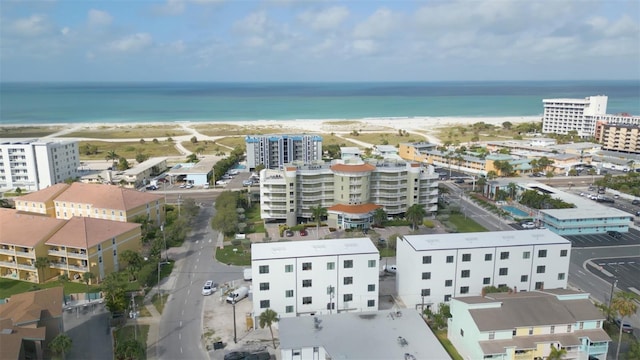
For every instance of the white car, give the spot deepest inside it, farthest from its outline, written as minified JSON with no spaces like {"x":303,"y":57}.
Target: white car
{"x":209,"y":288}
{"x":528,"y":225}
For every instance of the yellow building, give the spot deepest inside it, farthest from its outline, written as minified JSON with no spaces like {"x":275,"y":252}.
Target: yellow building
{"x":86,"y":244}
{"x":41,"y":202}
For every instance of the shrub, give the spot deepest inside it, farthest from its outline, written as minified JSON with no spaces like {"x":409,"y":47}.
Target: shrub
{"x":236,"y":242}
{"x":428,"y":223}
{"x":246,"y":243}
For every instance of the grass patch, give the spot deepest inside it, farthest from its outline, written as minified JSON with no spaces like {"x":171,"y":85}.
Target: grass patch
{"x":204,"y":147}
{"x":444,"y":340}
{"x":129,"y":149}
{"x":232,"y":142}
{"x":254,"y":223}
{"x":10,"y":287}
{"x":465,"y":225}
{"x":384,"y":252}
{"x":140,"y":332}
{"x":28,"y":131}
{"x":128,"y":132}
{"x":215,"y":129}
{"x":330,"y":139}
{"x":240,"y":257}
{"x":141,"y":308}
{"x":159,"y":302}
{"x":384,"y":138}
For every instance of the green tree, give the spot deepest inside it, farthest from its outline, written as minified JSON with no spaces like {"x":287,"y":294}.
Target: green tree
{"x":61,"y":344}
{"x":481,"y":182}
{"x":41,"y":264}
{"x":317,"y":213}
{"x":492,"y":175}
{"x":634,"y":350}
{"x":267,"y":318}
{"x":141,"y":157}
{"x":624,"y":305}
{"x":88,"y":278}
{"x":134,"y":262}
{"x":18,"y":191}
{"x":194,"y":140}
{"x":113,"y":157}
{"x":415,"y":214}
{"x":557,"y":353}
{"x":114,"y":293}
{"x":130,"y":349}
{"x":512,"y":187}
{"x":192,"y":158}
{"x":507,"y":125}
{"x":379,"y":216}
{"x":123,"y":164}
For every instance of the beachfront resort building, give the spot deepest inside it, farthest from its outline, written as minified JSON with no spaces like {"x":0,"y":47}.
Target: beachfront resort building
{"x":273,"y":151}
{"x":29,"y":322}
{"x":72,"y":247}
{"x":315,"y":277}
{"x":619,"y":137}
{"x":561,"y":116}
{"x":350,"y":189}
{"x":33,"y":165}
{"x":390,"y":334}
{"x":108,"y":202}
{"x":528,"y":326}
{"x":433,"y":269}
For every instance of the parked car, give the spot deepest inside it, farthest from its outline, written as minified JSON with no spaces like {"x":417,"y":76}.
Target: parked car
{"x":262,"y":355}
{"x":528,"y":225}
{"x":626,"y":328}
{"x":188,"y":186}
{"x":614,"y":234}
{"x":236,"y":355}
{"x":209,"y":288}
{"x":288,"y":233}
{"x":390,"y":269}
{"x":303,"y":232}
{"x":635,"y":202}
{"x":459,"y":181}
{"x":238,"y":294}
{"x":247,"y":183}
{"x":152,"y":187}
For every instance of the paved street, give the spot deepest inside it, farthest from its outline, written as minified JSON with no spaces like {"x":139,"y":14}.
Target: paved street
{"x":623,"y":269}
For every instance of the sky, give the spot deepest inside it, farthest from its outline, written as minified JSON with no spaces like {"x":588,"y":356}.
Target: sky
{"x":307,"y":40}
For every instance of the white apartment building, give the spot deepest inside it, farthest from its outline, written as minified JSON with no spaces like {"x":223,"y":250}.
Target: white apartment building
{"x":432,"y":269}
{"x":33,"y":165}
{"x":350,"y":189}
{"x":563,"y":115}
{"x":315,"y":276}
{"x":273,"y":151}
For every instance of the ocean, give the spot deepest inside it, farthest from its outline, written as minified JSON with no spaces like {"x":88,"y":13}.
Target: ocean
{"x":50,"y":103}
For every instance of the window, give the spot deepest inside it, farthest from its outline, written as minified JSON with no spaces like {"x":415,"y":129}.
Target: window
{"x":99,"y":247}
{"x":306,"y":283}
{"x":563,"y":253}
{"x":371,"y":287}
{"x":348,"y":264}
{"x":449,"y":259}
{"x":492,"y":335}
{"x":288,"y":293}
{"x":348,"y":280}
{"x":447,"y":297}
{"x":425,"y":292}
{"x":426,"y":259}
{"x":530,"y":331}
{"x":100,"y":259}
{"x":426,"y":275}
{"x":486,"y":281}
{"x":288,"y":268}
{"x":331,"y":265}
{"x":539,"y":285}
{"x":306,"y":300}
{"x":560,"y":276}
{"x":289,"y":309}
{"x":540,"y":269}
{"x":526,"y":254}
{"x":503,"y":271}
{"x":598,"y":324}
{"x":448,"y":283}
{"x":524,"y":278}
{"x":306,"y":266}
{"x":461,"y":332}
{"x":113,"y":241}
{"x":581,"y":325}
{"x":513,"y":332}
{"x":263,"y":269}
{"x":465,"y":273}
{"x":488,"y":257}
{"x":371,"y":303}
{"x":504,"y":255}
{"x":347,"y":297}
{"x":464,"y":290}
{"x":264,"y":286}
{"x":542,"y":253}
{"x":569,"y":328}
{"x":372,"y":263}
{"x":466,"y":257}
{"x":552,"y":329}
{"x":264,"y":304}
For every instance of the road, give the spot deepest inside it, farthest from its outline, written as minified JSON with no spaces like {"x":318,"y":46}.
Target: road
{"x":181,"y":326}
{"x":485,"y":218}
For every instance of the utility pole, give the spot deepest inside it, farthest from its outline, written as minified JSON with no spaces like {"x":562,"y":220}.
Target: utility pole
{"x":613,"y":286}
{"x":133,"y":315}
{"x":235,"y":337}
{"x":164,"y":236}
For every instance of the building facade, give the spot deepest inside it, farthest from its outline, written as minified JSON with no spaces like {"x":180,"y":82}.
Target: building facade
{"x":527,"y":326}
{"x":358,"y":186}
{"x":33,"y":165}
{"x":315,"y":277}
{"x":584,"y":220}
{"x":619,"y":137}
{"x":273,"y":151}
{"x":432,"y":269}
{"x":563,"y":115}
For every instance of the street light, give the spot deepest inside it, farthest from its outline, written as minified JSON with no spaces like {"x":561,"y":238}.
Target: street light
{"x":164,"y":236}
{"x":159,"y":264}
{"x":235,"y":337}
{"x":613,"y":286}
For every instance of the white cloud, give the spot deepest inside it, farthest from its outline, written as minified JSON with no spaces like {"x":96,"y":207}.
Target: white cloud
{"x":378,"y":25}
{"x":34,"y":25}
{"x":327,"y":19}
{"x":254,"y":23}
{"x":364,"y":47}
{"x":99,"y":18}
{"x":171,"y":7}
{"x":65,"y":31}
{"x":130,"y":43}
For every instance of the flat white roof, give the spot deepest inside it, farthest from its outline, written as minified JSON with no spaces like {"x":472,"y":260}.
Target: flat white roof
{"x":149,"y":163}
{"x":311,"y":248}
{"x":383,"y":334}
{"x":484,"y":239}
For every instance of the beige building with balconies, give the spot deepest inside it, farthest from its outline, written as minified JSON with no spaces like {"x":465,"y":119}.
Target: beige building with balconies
{"x":619,"y":137}
{"x":41,"y":202}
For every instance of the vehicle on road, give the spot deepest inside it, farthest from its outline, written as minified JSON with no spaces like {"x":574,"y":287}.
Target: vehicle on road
{"x":209,"y":288}
{"x":614,"y":234}
{"x":626,"y":327}
{"x":459,"y":181}
{"x":528,"y":225}
{"x":247,"y":183}
{"x":635,"y":202}
{"x":303,"y":232}
{"x":238,"y":294}
{"x":151,"y":187}
{"x":390,"y":269}
{"x":236,"y":355}
{"x":247,"y":274}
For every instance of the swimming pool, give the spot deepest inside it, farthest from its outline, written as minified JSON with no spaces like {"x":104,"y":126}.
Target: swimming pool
{"x":239,"y":167}
{"x":515,"y":211}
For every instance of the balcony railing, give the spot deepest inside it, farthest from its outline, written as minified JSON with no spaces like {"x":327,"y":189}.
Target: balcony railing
{"x":7,"y":251}
{"x":598,"y":349}
{"x":524,"y":356}
{"x":26,"y":267}
{"x":58,"y":265}
{"x":77,"y":255}
{"x":11,"y":264}
{"x":57,"y":252}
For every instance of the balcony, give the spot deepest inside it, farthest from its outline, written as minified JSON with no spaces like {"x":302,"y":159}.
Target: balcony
{"x":58,"y":265}
{"x":7,"y":251}
{"x":78,"y":268}
{"x":598,"y":349}
{"x":524,"y":356}
{"x":78,"y":255}
{"x":26,"y":267}
{"x":62,"y":253}
{"x":11,"y":264}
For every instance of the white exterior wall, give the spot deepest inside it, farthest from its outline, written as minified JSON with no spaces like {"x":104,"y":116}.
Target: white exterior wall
{"x":563,"y":115}
{"x":466,"y":345}
{"x":409,"y":282}
{"x":304,"y":353}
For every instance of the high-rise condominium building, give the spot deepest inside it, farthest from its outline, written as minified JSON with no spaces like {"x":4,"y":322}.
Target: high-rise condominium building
{"x":273,"y":151}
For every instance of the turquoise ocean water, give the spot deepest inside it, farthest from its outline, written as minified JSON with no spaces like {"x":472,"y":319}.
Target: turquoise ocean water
{"x":46,"y":103}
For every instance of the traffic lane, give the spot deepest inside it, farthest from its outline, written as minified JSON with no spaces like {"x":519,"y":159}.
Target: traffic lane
{"x":88,"y":328}
{"x":624,"y":269}
{"x":630,"y":238}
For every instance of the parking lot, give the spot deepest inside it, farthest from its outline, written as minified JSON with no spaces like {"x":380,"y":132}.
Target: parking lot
{"x":624,"y":269}
{"x":580,"y":241}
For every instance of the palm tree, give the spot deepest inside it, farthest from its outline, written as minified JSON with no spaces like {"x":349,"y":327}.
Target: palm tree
{"x":624,"y":305}
{"x":134,"y":262}
{"x":379,"y":216}
{"x":557,"y":353}
{"x":492,"y":175}
{"x":41,"y":263}
{"x":415,"y":213}
{"x":512,"y":189}
{"x":318,"y":212}
{"x":113,"y":157}
{"x":61,"y":344}
{"x":267,"y":318}
{"x":88,"y":277}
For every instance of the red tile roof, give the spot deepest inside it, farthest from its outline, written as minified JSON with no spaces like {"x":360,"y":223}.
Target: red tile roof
{"x":29,"y":306}
{"x":353,"y":168}
{"x":26,"y":230}
{"x":45,"y":194}
{"x":106,"y":196}
{"x":85,"y":233}
{"x":354,"y":209}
